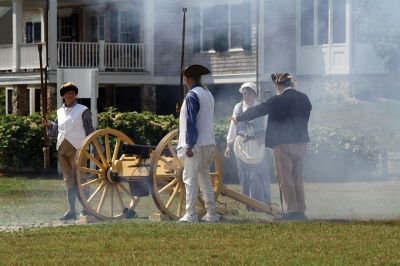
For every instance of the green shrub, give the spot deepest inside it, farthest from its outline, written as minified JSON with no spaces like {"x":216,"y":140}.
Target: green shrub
{"x":142,"y":128}
{"x":335,"y":154}
{"x":21,"y":142}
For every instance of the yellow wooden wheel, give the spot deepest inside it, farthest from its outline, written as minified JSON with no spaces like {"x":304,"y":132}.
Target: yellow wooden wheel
{"x":102,"y":193}
{"x":168,"y":189}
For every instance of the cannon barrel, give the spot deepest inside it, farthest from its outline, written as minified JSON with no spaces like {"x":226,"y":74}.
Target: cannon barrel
{"x":142,"y":151}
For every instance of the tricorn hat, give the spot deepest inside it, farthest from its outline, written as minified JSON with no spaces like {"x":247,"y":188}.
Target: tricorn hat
{"x":68,"y":86}
{"x":195,"y":71}
{"x":280,"y":78}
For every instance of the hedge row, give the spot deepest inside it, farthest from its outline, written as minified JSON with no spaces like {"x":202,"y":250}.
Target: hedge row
{"x":333,"y":154}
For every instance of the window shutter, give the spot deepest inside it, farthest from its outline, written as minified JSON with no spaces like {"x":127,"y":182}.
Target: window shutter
{"x":221,"y":43}
{"x":28,"y":32}
{"x":246,"y":22}
{"x":37,"y":32}
{"x":196,"y":30}
{"x":74,"y":28}
{"x":114,"y":26}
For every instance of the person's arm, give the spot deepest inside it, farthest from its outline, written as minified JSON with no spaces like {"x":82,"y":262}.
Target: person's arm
{"x":52,"y":129}
{"x":87,"y":121}
{"x":192,"y":110}
{"x":230,"y":138}
{"x":254,"y":112}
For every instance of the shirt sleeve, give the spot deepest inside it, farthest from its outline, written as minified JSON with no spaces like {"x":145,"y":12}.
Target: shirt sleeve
{"x":87,"y":121}
{"x":192,"y":110}
{"x":255,"y":111}
{"x":52,"y":130}
{"x":230,"y":138}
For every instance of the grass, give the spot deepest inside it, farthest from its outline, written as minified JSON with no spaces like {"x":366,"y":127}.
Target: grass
{"x":246,"y":239}
{"x":340,"y":233}
{"x":161,"y":243}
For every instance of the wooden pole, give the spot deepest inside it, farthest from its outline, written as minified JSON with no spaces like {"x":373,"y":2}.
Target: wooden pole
{"x":182,"y":91}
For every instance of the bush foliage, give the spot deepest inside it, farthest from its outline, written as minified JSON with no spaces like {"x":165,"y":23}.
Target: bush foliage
{"x":21,"y":142}
{"x":333,"y":154}
{"x":142,"y":128}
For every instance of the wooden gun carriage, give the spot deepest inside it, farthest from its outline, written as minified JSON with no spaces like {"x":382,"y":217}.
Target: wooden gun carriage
{"x":110,"y":183}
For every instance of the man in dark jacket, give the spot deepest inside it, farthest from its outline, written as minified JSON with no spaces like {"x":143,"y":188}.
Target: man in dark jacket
{"x":287,"y":133}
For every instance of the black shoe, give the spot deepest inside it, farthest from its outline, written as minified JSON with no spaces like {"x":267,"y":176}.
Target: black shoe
{"x":300,"y":216}
{"x":129,"y":214}
{"x":84,"y":212}
{"x":68,"y":216}
{"x":291,"y":216}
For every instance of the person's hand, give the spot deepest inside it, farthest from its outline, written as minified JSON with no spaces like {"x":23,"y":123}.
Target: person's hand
{"x":228,"y":152}
{"x":189,"y":152}
{"x":234,"y":119}
{"x":45,"y":121}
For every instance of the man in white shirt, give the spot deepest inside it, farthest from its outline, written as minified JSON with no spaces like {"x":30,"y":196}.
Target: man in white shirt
{"x":74,"y":123}
{"x":196,"y":144}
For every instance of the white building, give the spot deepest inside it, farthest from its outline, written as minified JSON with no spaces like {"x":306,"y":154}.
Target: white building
{"x":136,"y":45}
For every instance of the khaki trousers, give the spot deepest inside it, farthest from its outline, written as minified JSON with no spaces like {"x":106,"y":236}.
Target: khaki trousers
{"x":289,"y":159}
{"x":66,"y":156}
{"x":196,"y":174}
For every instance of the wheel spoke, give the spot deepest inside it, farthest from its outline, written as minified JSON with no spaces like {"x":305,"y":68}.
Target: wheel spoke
{"x":116,"y":149}
{"x":112,"y":200}
{"x":181,"y":201}
{"x":170,"y":184}
{"x":90,"y":157}
{"x":124,"y":189}
{"x":90,"y":170}
{"x":107,"y":146}
{"x":169,"y":163}
{"x":119,"y":198}
{"x":173,"y":195}
{"x":90,"y":182}
{"x":166,"y":176}
{"x":95,"y":192}
{"x":100,"y":153}
{"x":103,"y":197}
{"x":173,"y":152}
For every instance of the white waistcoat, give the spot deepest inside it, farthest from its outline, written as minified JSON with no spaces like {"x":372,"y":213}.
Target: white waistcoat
{"x":205,"y":120}
{"x":70,"y":125}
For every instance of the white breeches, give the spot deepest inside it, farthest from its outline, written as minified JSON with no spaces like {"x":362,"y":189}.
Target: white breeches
{"x":196,"y":173}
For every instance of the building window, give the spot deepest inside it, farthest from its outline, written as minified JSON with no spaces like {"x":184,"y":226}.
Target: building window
{"x":222,"y":27}
{"x":93,"y":29}
{"x":330,"y":24}
{"x":323,"y":21}
{"x":307,"y":22}
{"x":33,"y":32}
{"x":68,"y":28}
{"x":339,"y":21}
{"x":125,"y":25}
{"x":96,"y":31}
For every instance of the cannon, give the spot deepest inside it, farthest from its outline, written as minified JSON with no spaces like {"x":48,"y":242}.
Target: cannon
{"x":113,"y":174}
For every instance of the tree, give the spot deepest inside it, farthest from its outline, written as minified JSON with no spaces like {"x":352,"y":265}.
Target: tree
{"x":378,"y":22}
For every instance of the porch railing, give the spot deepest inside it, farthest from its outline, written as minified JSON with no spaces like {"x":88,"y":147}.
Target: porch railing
{"x":30,"y":56}
{"x":119,"y":56}
{"x":6,"y":57}
{"x":105,"y":56}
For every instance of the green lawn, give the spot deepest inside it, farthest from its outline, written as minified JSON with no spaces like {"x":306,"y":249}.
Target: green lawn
{"x":140,"y":243}
{"x":351,"y":223}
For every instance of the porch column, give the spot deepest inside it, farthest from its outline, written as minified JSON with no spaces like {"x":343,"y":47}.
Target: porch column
{"x":52,"y":34}
{"x":17,"y":33}
{"x":148,"y":96}
{"x":149,"y":35}
{"x":31,"y":100}
{"x":20,"y":100}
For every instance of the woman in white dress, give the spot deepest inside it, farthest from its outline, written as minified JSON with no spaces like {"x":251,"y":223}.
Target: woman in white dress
{"x":246,"y":141}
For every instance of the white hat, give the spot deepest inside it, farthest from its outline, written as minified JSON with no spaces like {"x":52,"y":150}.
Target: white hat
{"x":249,"y":85}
